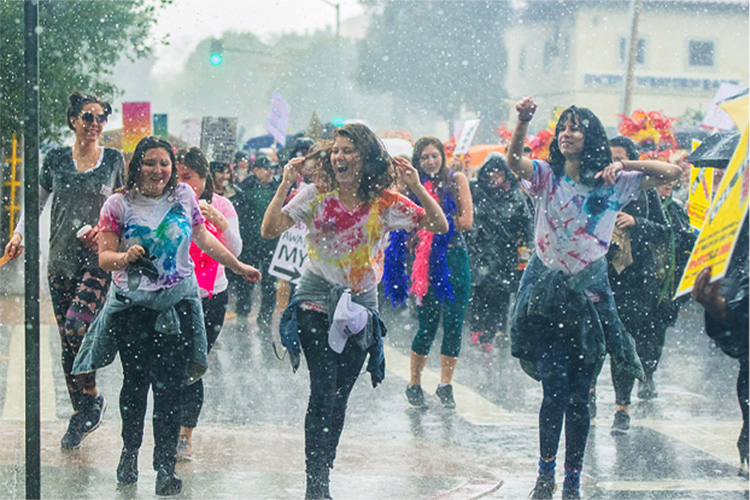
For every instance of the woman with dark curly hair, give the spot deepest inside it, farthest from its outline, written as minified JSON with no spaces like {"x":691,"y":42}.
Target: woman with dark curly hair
{"x":79,"y":179}
{"x":565,"y":317}
{"x":333,"y":314}
{"x":441,"y":277}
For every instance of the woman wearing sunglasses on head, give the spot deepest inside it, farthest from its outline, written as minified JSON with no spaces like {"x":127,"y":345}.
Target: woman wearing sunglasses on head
{"x":78,"y":179}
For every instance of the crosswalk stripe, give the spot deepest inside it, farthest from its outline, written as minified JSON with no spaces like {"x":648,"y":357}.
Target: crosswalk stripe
{"x":15,"y":395}
{"x":469,"y":405}
{"x":733,"y":484}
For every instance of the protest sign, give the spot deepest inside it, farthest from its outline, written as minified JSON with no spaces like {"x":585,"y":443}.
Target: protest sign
{"x":290,"y":254}
{"x":278,"y":118}
{"x":723,"y":222}
{"x":219,"y":138}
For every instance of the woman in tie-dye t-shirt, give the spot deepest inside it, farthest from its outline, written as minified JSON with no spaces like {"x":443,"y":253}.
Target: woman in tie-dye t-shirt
{"x":565,"y":315}
{"x":348,"y":213}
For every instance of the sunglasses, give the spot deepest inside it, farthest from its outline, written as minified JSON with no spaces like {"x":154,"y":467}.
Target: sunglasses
{"x":88,"y":117}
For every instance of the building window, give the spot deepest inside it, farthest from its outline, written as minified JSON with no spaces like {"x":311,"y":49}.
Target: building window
{"x":701,"y":53}
{"x":522,"y":60}
{"x":640,"y":56}
{"x":550,"y":51}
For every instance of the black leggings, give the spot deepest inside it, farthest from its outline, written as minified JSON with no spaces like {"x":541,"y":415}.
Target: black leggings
{"x":332,"y":378}
{"x":488,"y":310}
{"x":191,"y":396}
{"x":565,"y":384}
{"x":157,"y":360}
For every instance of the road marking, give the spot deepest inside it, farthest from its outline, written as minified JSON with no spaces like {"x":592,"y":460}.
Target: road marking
{"x":716,"y":438}
{"x":469,"y":405}
{"x":733,"y":484}
{"x":15,"y":392}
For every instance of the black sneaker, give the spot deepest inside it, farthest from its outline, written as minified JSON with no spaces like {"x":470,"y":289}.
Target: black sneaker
{"x":444,"y":393}
{"x":84,"y":422}
{"x":167,"y":482}
{"x":415,"y":396}
{"x":127,"y":469}
{"x":545,"y":487}
{"x":621,"y":425}
{"x":647,"y":390}
{"x":571,"y":494}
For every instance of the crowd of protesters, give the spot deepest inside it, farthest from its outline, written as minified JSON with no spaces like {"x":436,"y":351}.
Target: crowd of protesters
{"x":569,"y":258}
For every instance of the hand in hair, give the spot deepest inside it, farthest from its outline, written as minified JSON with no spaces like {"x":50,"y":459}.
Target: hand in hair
{"x":407,"y":173}
{"x":526,"y":108}
{"x":293,"y":169}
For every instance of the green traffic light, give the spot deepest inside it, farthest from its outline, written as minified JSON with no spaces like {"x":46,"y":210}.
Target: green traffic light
{"x":216,"y":59}
{"x":338,"y":122}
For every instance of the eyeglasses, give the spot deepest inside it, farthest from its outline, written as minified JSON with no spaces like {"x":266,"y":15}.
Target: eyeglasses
{"x":88,"y":117}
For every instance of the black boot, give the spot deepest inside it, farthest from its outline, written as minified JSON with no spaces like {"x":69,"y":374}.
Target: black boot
{"x":167,"y":482}
{"x":127,"y":469}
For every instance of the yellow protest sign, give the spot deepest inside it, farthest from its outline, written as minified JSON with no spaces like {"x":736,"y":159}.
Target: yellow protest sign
{"x":722,"y":222}
{"x":701,"y":187}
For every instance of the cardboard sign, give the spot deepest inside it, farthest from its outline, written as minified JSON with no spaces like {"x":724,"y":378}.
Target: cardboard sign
{"x":278,"y":118}
{"x":467,"y":135}
{"x":699,"y":197}
{"x":723,"y":222}
{"x":219,"y":138}
{"x":191,"y":131}
{"x":136,"y":124}
{"x":290,"y":255}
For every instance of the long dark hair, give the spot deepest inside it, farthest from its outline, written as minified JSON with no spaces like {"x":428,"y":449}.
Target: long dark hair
{"x":194,"y":159}
{"x":134,"y":167}
{"x":78,"y":101}
{"x":378,"y":173}
{"x":596,"y":154}
{"x":443,"y":175}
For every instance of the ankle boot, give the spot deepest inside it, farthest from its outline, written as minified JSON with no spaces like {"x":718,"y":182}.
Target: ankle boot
{"x":127,"y":469}
{"x":167,"y":482}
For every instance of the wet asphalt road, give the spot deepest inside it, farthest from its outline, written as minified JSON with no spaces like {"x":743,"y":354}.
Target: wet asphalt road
{"x":249,"y":442}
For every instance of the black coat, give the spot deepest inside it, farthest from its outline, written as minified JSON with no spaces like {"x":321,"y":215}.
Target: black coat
{"x":732,"y":335}
{"x":638,"y":286}
{"x":503,"y":221}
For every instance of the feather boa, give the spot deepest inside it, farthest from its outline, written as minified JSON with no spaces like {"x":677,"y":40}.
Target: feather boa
{"x":430,"y":260}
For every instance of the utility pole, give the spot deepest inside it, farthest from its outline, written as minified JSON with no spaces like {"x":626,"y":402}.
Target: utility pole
{"x":31,"y":256}
{"x":626,"y":93}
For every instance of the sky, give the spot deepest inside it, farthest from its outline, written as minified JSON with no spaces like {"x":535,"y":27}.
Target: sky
{"x":189,"y":21}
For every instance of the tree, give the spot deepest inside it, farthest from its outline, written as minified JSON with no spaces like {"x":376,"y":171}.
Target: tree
{"x":79,"y":43}
{"x":442,"y":56}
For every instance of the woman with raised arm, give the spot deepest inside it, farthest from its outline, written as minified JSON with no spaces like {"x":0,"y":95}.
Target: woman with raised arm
{"x":153,"y":316}
{"x":333,"y":314}
{"x":565,"y":317}
{"x":78,"y":179}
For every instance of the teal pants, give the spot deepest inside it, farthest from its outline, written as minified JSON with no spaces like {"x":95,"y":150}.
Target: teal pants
{"x":451,"y":311}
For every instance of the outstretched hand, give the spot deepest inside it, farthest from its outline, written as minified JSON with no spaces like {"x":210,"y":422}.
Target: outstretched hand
{"x":14,"y":248}
{"x":247,"y":272}
{"x":709,"y":295}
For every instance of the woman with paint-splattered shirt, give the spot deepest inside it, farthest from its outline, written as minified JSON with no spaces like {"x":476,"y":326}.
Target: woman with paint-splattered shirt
{"x":565,"y":316}
{"x":348,"y":213}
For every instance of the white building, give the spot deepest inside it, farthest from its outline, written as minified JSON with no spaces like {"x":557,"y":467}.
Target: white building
{"x":573,"y":52}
